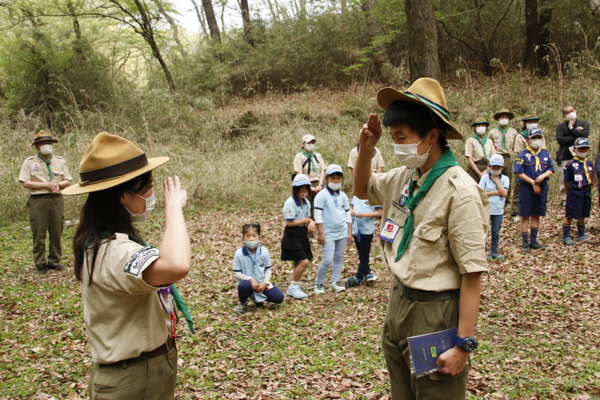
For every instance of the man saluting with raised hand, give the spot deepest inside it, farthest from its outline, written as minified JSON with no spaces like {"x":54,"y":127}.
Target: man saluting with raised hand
{"x":435,"y":248}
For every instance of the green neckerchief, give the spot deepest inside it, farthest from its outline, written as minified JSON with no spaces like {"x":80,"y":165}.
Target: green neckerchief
{"x":524,"y":133}
{"x":485,"y":139}
{"x":311,"y":160}
{"x":446,"y":161}
{"x":503,"y":147}
{"x":47,"y":164}
{"x":179,"y":302}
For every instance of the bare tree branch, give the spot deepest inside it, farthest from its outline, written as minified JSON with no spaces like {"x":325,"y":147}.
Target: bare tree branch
{"x":498,"y":24}
{"x":460,"y":40}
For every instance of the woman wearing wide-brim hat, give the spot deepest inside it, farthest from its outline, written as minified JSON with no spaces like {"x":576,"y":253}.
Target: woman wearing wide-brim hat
{"x":479,"y":149}
{"x":126,"y":286}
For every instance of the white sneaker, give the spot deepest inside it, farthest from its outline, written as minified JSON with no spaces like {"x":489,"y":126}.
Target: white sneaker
{"x":336,"y":287}
{"x":296,"y":292}
{"x":319,"y":289}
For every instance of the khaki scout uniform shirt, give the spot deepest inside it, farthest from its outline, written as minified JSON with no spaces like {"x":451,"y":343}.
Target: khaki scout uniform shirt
{"x":36,"y":170}
{"x":521,"y":143}
{"x":376,"y":160}
{"x":449,"y":228}
{"x":299,"y":161}
{"x":474,"y":150}
{"x":123,"y":315}
{"x":496,"y":136}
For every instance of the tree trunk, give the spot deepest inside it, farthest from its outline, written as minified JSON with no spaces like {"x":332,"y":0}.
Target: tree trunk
{"x":273,"y":13}
{"x":174,"y":26}
{"x":212,"y":21}
{"x":200,"y":18}
{"x":532,"y":32}
{"x":422,"y":38}
{"x":246,"y":22}
{"x":385,"y":66}
{"x":78,"y":45}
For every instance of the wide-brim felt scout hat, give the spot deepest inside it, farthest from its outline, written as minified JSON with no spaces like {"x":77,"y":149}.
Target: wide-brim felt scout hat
{"x":43,"y":136}
{"x":530,"y":116}
{"x":480,"y":120}
{"x":503,"y":112}
{"x":109,"y":161}
{"x":427,"y":92}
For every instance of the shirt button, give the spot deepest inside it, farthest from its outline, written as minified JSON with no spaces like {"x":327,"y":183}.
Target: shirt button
{"x":453,"y":176}
{"x":393,"y":215}
{"x":420,"y":232}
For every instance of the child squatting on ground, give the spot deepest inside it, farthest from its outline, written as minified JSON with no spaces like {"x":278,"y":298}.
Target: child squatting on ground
{"x":363,"y":227}
{"x":578,"y":181}
{"x":334,"y":227}
{"x":533,"y":168}
{"x":496,"y":186}
{"x":252,"y":269}
{"x":295,"y":245}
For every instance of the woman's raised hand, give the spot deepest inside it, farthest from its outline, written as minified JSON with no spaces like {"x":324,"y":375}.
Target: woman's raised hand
{"x":173,"y":195}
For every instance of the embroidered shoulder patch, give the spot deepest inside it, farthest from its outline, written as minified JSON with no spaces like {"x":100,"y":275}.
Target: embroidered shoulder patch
{"x":139,"y":258}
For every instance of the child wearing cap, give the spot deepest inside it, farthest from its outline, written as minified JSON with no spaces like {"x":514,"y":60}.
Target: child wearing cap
{"x":252,"y":269}
{"x":533,"y":167}
{"x":496,"y":186}
{"x":334,"y":227}
{"x":311,"y":164}
{"x":578,"y":180}
{"x":295,"y":245}
{"x":478,"y":149}
{"x":363,"y":215}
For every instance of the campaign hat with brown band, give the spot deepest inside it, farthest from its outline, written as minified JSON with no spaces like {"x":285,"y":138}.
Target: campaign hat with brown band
{"x":109,"y":161}
{"x":480,"y":120}
{"x":504,"y":111}
{"x":43,"y":136}
{"x":427,"y":92}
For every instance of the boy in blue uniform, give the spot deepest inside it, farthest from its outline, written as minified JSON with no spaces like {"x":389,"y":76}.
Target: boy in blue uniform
{"x":533,"y":167}
{"x":578,"y":180}
{"x":364,"y":216}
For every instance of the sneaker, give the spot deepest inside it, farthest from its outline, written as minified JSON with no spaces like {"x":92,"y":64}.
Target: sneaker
{"x":319,"y":289}
{"x":584,"y":240}
{"x":351,"y":282}
{"x":569,"y":242}
{"x":336,"y":287}
{"x":370,"y":279}
{"x":496,"y":257}
{"x":296,"y":292}
{"x":537,"y":246}
{"x":260,"y":305}
{"x":240,"y":308}
{"x":56,"y":267}
{"x":41,"y":269}
{"x":526,"y":248}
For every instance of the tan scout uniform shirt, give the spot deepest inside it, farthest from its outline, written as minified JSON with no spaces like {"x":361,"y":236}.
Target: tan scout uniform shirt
{"x":36,"y":170}
{"x":474,"y":150}
{"x":376,"y":161}
{"x":123,"y":315}
{"x":449,"y":228}
{"x":496,"y":136}
{"x":314,"y":175}
{"x":521,"y":143}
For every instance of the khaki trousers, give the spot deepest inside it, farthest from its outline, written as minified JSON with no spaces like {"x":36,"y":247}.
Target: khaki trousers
{"x":152,"y":379}
{"x":404,"y":318}
{"x":482,"y":165}
{"x":561,"y":179}
{"x":508,"y":171}
{"x":46,"y":215}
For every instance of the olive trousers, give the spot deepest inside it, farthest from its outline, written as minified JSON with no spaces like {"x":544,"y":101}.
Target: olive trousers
{"x":406,"y":317}
{"x":46,"y":215}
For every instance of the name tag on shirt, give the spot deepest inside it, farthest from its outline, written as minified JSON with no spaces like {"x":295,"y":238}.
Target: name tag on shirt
{"x":389,"y":231}
{"x":578,"y":178}
{"x":165,"y":299}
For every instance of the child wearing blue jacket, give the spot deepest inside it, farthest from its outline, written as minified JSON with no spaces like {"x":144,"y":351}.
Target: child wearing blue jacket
{"x":334,"y":227}
{"x":496,"y":186}
{"x":533,"y":167}
{"x":252,"y":269}
{"x":578,"y":181}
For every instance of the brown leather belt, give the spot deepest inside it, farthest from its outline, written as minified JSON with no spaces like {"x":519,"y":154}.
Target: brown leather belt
{"x":425,"y":296}
{"x":146,"y":356}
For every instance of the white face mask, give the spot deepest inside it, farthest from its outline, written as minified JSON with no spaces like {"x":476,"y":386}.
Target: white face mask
{"x":496,"y":171}
{"x":535,"y":143}
{"x":572,"y":115}
{"x":503,"y":121}
{"x":532,"y":125}
{"x":150,"y":203}
{"x":334,"y":186}
{"x":46,"y":149}
{"x":582,"y":154}
{"x":251,"y":244}
{"x":480,"y":130}
{"x":408,"y":155}
{"x":310,"y":146}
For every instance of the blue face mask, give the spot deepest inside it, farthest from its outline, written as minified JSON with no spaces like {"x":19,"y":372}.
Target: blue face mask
{"x":251,"y":244}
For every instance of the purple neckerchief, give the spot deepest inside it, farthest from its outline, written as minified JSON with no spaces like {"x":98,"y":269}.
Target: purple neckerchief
{"x":166,"y":290}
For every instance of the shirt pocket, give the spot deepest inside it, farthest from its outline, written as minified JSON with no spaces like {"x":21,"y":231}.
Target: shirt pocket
{"x":425,"y":249}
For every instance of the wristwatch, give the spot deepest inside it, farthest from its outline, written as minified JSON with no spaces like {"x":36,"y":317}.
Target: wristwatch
{"x":468,"y":344}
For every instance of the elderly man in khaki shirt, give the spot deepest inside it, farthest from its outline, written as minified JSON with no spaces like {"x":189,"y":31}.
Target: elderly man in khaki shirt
{"x":44,"y":176}
{"x":433,"y":241}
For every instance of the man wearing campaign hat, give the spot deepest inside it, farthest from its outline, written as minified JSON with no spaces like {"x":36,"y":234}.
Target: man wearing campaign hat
{"x":479,"y":149}
{"x":578,"y":182}
{"x":436,"y":221}
{"x":127,"y":285}
{"x":504,"y":141}
{"x":44,"y":176}
{"x":311,"y":164}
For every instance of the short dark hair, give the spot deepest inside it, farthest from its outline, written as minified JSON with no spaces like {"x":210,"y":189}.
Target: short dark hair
{"x":296,"y":189}
{"x":251,"y":226}
{"x":568,"y":105}
{"x":336,"y":173}
{"x":417,"y":117}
